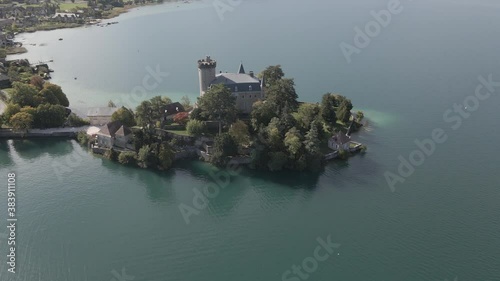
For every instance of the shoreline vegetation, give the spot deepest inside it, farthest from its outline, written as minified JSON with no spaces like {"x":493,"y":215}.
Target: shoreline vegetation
{"x":280,"y":133}
{"x":54,"y":14}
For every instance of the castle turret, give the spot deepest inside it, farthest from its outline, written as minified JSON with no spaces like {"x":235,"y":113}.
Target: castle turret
{"x":206,"y":71}
{"x":241,"y":69}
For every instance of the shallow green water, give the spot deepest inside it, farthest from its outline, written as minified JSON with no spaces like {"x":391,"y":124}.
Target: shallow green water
{"x":85,"y":218}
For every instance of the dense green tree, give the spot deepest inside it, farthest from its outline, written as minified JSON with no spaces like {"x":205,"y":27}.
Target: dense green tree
{"x":50,"y":116}
{"x":165,"y":156}
{"x":144,"y":114}
{"x":196,"y":128}
{"x":125,"y":116}
{"x":239,"y":132}
{"x":158,"y":104}
{"x":312,"y":142}
{"x":127,"y":158}
{"x":327,"y":109}
{"x":21,"y":121}
{"x":224,"y":146}
{"x":282,"y":95}
{"x":293,"y":141}
{"x":262,"y":114}
{"x":23,"y":95}
{"x":143,"y":137}
{"x":218,"y":104}
{"x":343,"y":114}
{"x":146,"y":157}
{"x":274,"y":134}
{"x":151,"y":111}
{"x":57,"y":91}
{"x":271,"y":75}
{"x":196,"y":115}
{"x":344,"y":107}
{"x":287,"y":121}
{"x":306,"y":114}
{"x":47,"y":96}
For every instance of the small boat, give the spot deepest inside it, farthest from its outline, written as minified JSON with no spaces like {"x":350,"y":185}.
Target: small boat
{"x":60,"y":39}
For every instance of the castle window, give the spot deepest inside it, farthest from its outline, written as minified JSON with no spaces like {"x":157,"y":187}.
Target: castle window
{"x":236,"y":88}
{"x":250,"y":87}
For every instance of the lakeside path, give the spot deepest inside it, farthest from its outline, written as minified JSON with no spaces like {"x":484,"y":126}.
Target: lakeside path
{"x":67,"y":132}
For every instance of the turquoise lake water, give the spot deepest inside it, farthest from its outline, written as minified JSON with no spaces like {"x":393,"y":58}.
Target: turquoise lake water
{"x":81,"y":217}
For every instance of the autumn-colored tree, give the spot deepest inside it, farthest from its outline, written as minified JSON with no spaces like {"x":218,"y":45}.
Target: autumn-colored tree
{"x":37,"y":81}
{"x":21,"y":121}
{"x":181,"y":118}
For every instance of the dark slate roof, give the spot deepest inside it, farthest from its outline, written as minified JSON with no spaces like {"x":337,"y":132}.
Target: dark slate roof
{"x":237,"y":80}
{"x":241,"y":69}
{"x":174,"y":108}
{"x":115,"y":128}
{"x":123,"y":131}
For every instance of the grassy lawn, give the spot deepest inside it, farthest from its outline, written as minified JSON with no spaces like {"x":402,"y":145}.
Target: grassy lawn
{"x":52,"y":25}
{"x":181,"y":133}
{"x":69,"y":6}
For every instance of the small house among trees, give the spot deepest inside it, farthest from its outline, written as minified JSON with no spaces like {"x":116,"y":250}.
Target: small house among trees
{"x":114,"y":134}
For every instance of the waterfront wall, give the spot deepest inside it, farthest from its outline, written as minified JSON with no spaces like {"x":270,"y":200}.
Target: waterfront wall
{"x":69,"y":132}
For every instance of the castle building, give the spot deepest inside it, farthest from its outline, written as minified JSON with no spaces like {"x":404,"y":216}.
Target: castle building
{"x":246,"y":87}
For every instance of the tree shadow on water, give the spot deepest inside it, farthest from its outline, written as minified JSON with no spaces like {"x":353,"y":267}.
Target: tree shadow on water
{"x":5,"y":157}
{"x":30,"y":149}
{"x":158,"y":184}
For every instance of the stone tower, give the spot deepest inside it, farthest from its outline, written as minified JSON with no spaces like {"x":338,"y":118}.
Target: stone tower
{"x":206,"y":71}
